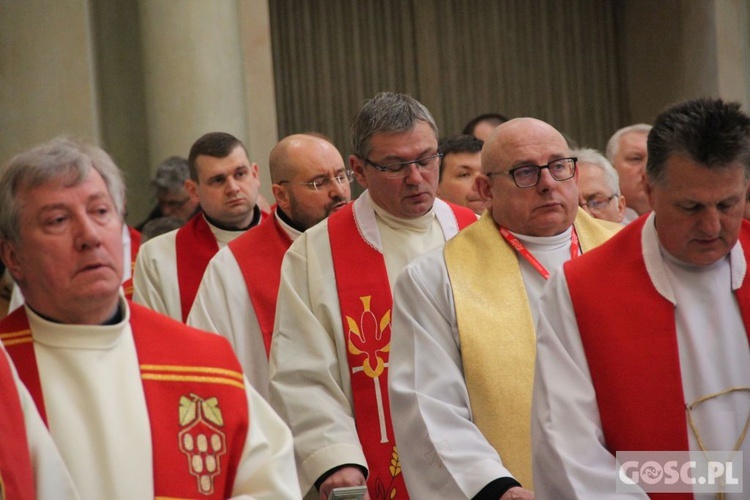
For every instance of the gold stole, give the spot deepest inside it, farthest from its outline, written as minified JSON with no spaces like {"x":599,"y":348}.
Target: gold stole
{"x":496,"y":329}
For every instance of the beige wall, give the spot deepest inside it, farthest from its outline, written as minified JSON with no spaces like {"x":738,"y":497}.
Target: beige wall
{"x":681,"y":49}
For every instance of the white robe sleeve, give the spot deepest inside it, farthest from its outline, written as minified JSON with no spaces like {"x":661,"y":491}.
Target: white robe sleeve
{"x":570,"y":460}
{"x":222,"y":305}
{"x":52,"y":480}
{"x":155,"y":282}
{"x":443,"y":454}
{"x":267,"y":470}
{"x":309,"y":382}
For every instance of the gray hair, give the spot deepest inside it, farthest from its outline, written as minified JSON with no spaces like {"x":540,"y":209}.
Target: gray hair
{"x":386,"y":113}
{"x":171,"y":175}
{"x":594,"y":157}
{"x":710,"y":132}
{"x":613,"y":145}
{"x":60,"y":159}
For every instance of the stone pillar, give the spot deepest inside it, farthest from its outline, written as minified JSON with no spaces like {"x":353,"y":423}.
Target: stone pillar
{"x":194,"y":79}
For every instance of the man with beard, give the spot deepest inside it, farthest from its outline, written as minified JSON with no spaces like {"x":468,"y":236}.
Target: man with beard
{"x":169,"y":267}
{"x":310,"y":182}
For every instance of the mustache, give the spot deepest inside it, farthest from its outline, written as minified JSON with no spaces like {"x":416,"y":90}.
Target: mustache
{"x":335,"y":201}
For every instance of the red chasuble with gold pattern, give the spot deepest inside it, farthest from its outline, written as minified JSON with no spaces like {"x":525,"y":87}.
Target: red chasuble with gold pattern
{"x":259,"y":253}
{"x":195,"y":396}
{"x":195,"y":244}
{"x":365,"y":299}
{"x":630,"y":342}
{"x":16,"y":476}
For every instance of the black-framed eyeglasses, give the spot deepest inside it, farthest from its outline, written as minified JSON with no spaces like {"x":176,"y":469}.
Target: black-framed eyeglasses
{"x":402,"y":169}
{"x":597,"y":203}
{"x":342,"y":178}
{"x":527,"y":176}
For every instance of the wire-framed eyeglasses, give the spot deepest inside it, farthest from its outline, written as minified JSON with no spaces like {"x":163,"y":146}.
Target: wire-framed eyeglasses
{"x":342,"y":178}
{"x":527,"y":176}
{"x":402,"y":169}
{"x":597,"y":203}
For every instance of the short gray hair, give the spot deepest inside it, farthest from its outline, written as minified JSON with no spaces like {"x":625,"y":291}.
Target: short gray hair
{"x":55,"y":160}
{"x":171,"y":175}
{"x":386,"y":113}
{"x":594,"y":157}
{"x":613,"y":145}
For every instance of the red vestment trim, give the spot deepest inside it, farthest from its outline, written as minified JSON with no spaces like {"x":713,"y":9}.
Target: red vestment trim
{"x":630,"y":342}
{"x":195,"y":244}
{"x":16,"y":475}
{"x":259,"y":253}
{"x":195,"y":397}
{"x":365,"y":298}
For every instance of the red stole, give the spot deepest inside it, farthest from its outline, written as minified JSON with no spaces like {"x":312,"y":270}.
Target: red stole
{"x":195,"y":397}
{"x":365,"y":299}
{"x":630,"y":343}
{"x":135,"y":245}
{"x":259,"y":253}
{"x":195,"y":244}
{"x":16,"y":476}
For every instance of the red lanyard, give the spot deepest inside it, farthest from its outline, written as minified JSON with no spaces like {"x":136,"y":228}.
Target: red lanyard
{"x":520,"y":248}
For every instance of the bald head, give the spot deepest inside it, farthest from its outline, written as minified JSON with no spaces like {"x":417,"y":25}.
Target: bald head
{"x":298,"y":162}
{"x":291,"y":151}
{"x":543,"y":209}
{"x":511,"y":140}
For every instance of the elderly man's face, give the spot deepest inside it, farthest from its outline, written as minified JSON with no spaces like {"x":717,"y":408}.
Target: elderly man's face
{"x":698,"y":210}
{"x":630,"y":163}
{"x":596,"y":196}
{"x":546,"y":209}
{"x":68,"y":260}
{"x":408,"y":197}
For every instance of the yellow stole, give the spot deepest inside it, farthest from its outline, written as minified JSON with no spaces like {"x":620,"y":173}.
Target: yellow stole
{"x":496,"y":330}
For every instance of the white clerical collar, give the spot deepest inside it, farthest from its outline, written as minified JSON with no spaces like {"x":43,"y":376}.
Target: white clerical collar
{"x":419,"y":224}
{"x":54,"y":334}
{"x":289,"y":230}
{"x":656,"y":265}
{"x":365,"y":216}
{"x":562,"y":239}
{"x":223,"y":236}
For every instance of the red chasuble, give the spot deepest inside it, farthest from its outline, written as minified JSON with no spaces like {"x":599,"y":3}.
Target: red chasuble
{"x":195,"y":396}
{"x":16,"y":476}
{"x":259,"y":253}
{"x":630,"y":343}
{"x":365,"y":299}
{"x":195,"y":244}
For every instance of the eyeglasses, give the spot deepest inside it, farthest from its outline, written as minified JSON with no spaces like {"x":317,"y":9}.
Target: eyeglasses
{"x":342,"y":178}
{"x":401,"y":169}
{"x":527,"y":176}
{"x":597,"y":203}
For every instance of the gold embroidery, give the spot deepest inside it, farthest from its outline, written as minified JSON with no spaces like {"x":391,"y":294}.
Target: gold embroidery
{"x":198,"y":369}
{"x":201,"y":440}
{"x":370,"y":338}
{"x":192,"y":378}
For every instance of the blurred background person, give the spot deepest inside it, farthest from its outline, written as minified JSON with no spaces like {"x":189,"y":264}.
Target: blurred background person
{"x":482,"y":126}
{"x":461,"y":164}
{"x":599,"y":186}
{"x":626,"y":151}
{"x":171,"y":197}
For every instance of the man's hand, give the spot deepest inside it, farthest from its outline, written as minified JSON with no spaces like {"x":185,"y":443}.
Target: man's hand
{"x":346,"y":476}
{"x":517,"y":493}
